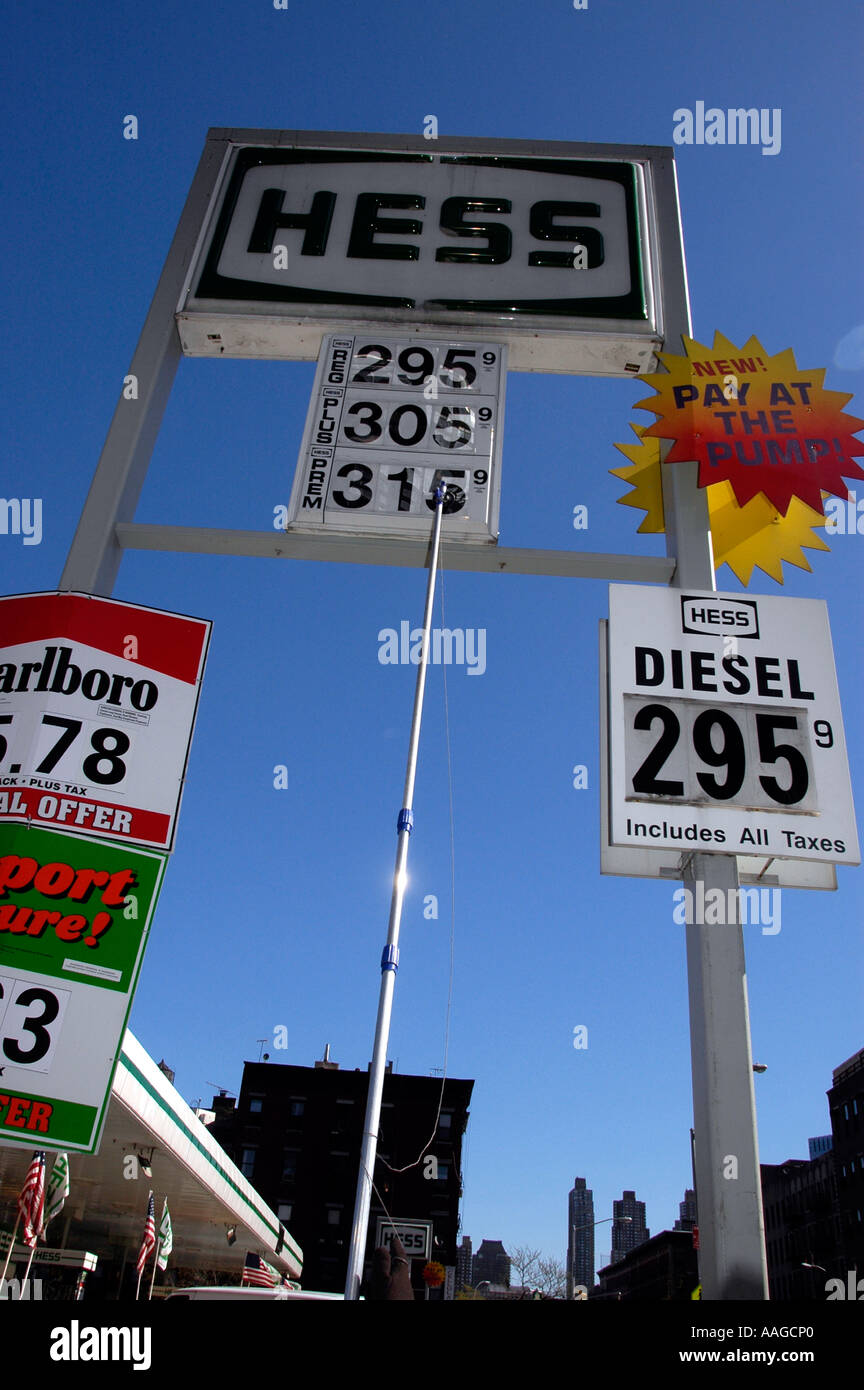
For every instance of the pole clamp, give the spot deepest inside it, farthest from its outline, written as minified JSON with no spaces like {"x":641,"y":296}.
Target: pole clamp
{"x":405,"y":820}
{"x":390,"y":959}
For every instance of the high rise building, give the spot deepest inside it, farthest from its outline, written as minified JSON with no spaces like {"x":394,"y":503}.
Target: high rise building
{"x":491,"y":1264}
{"x":686,"y":1211}
{"x":846,"y":1105}
{"x":464,"y":1264}
{"x":802,"y":1226}
{"x":628,"y":1226}
{"x":580,"y":1234}
{"x":296,"y":1133}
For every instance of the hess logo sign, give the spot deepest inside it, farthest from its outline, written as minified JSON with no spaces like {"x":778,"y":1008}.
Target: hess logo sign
{"x":553,"y":236}
{"x":702,"y":613}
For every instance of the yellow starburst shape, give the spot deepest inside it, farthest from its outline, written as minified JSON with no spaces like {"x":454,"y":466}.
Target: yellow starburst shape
{"x":754,"y":536}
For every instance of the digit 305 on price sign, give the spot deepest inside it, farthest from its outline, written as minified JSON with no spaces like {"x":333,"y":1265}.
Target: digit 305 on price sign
{"x":74,"y":916}
{"x":97,"y":704}
{"x":389,"y":420}
{"x":725,"y":728}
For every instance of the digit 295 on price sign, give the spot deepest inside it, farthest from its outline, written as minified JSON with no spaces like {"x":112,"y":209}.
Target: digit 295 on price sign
{"x":97,"y":704}
{"x":389,"y":420}
{"x":725,"y":727}
{"x":74,"y":917}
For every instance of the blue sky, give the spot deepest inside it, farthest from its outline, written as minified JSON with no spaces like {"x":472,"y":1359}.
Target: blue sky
{"x":542,"y":942}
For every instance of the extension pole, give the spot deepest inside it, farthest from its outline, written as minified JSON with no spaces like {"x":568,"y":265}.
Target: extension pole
{"x":390,"y":956}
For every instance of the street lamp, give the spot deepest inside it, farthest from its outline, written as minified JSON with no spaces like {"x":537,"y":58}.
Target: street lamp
{"x":589,"y":1226}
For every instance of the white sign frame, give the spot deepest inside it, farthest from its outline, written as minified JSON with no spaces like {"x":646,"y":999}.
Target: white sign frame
{"x":785,"y":645}
{"x":239,"y":302}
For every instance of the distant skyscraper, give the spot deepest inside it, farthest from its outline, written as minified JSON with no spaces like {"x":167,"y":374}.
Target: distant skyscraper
{"x":491,"y":1264}
{"x":687,"y":1211}
{"x":580,"y":1234}
{"x":464,"y":1264}
{"x":627,"y":1234}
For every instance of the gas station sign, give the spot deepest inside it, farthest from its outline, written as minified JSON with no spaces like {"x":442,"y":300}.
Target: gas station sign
{"x":725,"y":728}
{"x":554,"y":254}
{"x":389,"y":419}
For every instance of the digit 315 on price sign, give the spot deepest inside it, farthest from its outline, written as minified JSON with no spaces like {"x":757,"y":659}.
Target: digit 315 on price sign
{"x":725,"y":727}
{"x":389,"y":420}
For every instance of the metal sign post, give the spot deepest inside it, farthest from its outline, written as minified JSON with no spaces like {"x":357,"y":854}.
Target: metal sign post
{"x":390,"y":956}
{"x":732,"y":1263}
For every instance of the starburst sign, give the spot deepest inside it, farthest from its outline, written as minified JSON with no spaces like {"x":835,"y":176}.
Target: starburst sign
{"x":743,"y":537}
{"x":770,"y":443}
{"x":760,"y":423}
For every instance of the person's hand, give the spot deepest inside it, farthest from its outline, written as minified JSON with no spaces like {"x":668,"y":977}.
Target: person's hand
{"x":391,"y":1275}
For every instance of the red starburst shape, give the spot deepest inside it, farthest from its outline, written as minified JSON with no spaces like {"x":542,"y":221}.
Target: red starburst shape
{"x":433,"y":1274}
{"x":759,"y":422}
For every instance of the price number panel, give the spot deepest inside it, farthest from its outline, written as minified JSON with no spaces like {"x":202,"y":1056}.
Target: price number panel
{"x":390,"y":421}
{"x":754,"y":756}
{"x":79,"y":750}
{"x":31,"y":1016}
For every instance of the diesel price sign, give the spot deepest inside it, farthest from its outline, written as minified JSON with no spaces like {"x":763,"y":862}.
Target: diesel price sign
{"x":725,"y":727}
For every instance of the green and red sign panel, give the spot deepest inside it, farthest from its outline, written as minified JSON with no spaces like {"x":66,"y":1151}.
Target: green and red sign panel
{"x":97,"y":703}
{"x":74,"y":918}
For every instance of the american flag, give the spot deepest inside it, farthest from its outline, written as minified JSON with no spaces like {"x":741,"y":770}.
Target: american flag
{"x":31,"y":1202}
{"x":148,"y":1244}
{"x":257,"y":1271}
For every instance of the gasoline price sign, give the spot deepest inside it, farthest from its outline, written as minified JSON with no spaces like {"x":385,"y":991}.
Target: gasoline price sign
{"x":391,"y":419}
{"x":726,"y":733}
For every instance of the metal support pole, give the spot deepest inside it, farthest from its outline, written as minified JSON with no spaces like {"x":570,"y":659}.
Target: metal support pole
{"x":390,"y":955}
{"x":728,"y":1188}
{"x":94,"y":556}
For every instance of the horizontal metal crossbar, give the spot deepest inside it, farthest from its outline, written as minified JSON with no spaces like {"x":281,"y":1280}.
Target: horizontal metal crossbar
{"x":374,"y":550}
